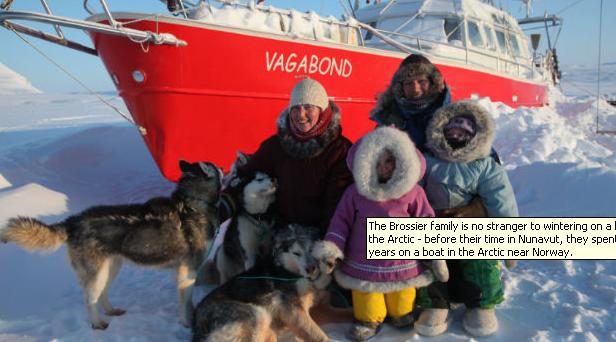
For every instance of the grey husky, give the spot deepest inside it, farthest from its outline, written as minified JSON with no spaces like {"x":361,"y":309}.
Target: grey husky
{"x":276,"y":294}
{"x":249,"y":233}
{"x":166,"y":232}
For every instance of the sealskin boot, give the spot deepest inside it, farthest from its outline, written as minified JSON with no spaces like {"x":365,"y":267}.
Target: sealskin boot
{"x":432,"y":322}
{"x":480,"y":322}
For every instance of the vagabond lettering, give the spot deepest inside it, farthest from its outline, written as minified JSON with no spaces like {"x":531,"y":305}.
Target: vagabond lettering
{"x":308,"y":64}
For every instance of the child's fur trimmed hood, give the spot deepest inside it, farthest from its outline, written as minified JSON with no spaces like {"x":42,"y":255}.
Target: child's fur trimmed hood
{"x":478,"y":147}
{"x":363,"y":157}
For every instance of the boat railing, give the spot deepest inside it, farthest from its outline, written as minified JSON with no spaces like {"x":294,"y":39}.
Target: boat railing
{"x":348,"y":29}
{"x":446,"y":50}
{"x":421,"y":45}
{"x":113,"y":27}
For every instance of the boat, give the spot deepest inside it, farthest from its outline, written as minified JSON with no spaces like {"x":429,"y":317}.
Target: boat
{"x":212,"y":77}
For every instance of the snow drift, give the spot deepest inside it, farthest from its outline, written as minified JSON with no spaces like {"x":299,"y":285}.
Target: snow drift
{"x":14,"y":83}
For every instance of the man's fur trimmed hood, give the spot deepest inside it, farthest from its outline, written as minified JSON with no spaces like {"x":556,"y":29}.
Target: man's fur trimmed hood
{"x":363,"y":157}
{"x":312,"y":147}
{"x":479,"y":146}
{"x":387,"y":100}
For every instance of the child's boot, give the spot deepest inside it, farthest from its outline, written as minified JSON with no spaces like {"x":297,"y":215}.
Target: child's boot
{"x":480,"y":322}
{"x":362,"y":331}
{"x":404,"y":322}
{"x":432,"y":322}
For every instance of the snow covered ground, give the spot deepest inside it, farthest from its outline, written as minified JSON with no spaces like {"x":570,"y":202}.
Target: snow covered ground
{"x":60,"y":153}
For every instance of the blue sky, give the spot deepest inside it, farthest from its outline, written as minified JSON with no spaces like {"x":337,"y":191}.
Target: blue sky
{"x":578,"y":42}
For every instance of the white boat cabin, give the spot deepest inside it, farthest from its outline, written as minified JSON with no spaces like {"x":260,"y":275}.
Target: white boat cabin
{"x":467,"y":31}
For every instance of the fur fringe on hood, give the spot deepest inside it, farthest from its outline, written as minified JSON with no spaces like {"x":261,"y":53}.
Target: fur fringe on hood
{"x":312,"y":147}
{"x":363,"y":159}
{"x":479,"y":146}
{"x":348,"y":282}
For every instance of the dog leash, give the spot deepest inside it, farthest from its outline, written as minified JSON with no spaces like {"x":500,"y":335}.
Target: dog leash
{"x":269,"y":278}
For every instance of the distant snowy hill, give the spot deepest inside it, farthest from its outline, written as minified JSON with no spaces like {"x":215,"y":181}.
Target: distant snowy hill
{"x":13,"y":83}
{"x":581,"y":80}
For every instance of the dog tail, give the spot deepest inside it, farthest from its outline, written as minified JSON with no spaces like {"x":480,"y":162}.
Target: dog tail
{"x":33,"y":235}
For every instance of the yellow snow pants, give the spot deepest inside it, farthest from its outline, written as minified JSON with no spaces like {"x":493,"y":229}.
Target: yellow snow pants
{"x":375,"y":306}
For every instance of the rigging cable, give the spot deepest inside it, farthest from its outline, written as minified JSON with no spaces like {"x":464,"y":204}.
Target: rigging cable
{"x":90,"y":90}
{"x":599,"y":65}
{"x":569,"y":6}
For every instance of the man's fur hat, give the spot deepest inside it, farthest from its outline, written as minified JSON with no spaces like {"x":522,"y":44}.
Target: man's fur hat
{"x":416,"y":65}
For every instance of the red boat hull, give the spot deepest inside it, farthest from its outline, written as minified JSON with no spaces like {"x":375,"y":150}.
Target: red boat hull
{"x":224,"y":91}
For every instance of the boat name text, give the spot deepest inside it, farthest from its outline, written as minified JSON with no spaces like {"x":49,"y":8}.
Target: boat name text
{"x":308,"y":64}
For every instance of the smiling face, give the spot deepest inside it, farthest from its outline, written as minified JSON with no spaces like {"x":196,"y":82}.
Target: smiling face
{"x":304,"y":117}
{"x":416,"y":87}
{"x":385,"y":166}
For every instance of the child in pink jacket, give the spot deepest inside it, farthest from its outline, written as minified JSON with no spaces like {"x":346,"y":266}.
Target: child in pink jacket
{"x":386,"y":167}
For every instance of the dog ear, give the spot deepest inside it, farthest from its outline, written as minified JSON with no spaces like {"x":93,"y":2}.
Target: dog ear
{"x":242,"y":158}
{"x":185,"y":166}
{"x":209,"y":169}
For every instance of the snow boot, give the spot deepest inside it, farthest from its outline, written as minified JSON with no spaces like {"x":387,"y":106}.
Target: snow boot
{"x":403,"y":322}
{"x":480,"y":322}
{"x":363,"y":331}
{"x":432,"y":322}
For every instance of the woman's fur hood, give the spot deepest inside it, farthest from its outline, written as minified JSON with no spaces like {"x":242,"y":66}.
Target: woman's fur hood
{"x":478,"y":147}
{"x":312,"y":147}
{"x":363,"y":157}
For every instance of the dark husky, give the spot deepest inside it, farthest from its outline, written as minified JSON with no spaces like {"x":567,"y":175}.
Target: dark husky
{"x":249,"y":233}
{"x":275,"y":294}
{"x":170,"y":232}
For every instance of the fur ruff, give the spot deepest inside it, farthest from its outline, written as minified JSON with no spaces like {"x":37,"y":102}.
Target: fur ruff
{"x":351,"y":283}
{"x":405,"y":175}
{"x":313,"y":147}
{"x":479,"y":146}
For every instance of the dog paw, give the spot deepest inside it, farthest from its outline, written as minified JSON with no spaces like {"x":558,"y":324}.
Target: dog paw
{"x":115,"y":312}
{"x":102,"y":325}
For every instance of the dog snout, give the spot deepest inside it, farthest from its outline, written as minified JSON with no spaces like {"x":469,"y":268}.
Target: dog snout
{"x":312,"y":269}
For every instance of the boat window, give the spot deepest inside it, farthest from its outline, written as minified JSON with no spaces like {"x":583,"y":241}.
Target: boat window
{"x":474,"y":35}
{"x":489,"y":34}
{"x":453,"y":30}
{"x":514,"y":44}
{"x":502,"y":42}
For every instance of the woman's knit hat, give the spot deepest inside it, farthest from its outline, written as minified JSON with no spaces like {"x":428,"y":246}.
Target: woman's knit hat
{"x":309,"y":91}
